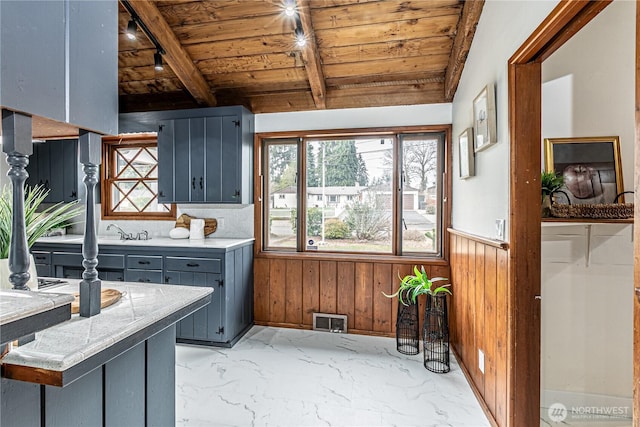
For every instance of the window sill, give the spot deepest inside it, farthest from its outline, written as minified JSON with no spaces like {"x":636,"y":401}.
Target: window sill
{"x":378,"y":258}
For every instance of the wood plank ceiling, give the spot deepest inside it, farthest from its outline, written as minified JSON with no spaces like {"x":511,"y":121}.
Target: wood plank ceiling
{"x":359,"y":53}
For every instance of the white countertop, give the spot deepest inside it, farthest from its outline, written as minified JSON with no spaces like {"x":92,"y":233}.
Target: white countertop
{"x":208,"y":243}
{"x":16,"y":305}
{"x":61,"y":347}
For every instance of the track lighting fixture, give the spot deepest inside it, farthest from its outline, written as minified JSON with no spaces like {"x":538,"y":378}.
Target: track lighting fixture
{"x":157,"y":60}
{"x":301,"y":40}
{"x":132,"y":29}
{"x":289,"y":7}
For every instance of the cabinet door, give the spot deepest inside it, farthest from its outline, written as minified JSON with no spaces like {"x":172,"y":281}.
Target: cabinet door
{"x":213,"y":160}
{"x":43,"y":263}
{"x":231,"y":167}
{"x":55,"y":181}
{"x":70,"y":170}
{"x":111,"y":275}
{"x":196,"y":161}
{"x":182,"y":172}
{"x":144,"y":276}
{"x":44,"y":170}
{"x":205,"y":324}
{"x":32,"y":167}
{"x":165,"y":162}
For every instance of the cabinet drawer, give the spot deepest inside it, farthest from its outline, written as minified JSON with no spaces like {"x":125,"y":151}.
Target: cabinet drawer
{"x":41,"y":257}
{"x":205,"y":265}
{"x":75,"y":260}
{"x":141,"y":262}
{"x":144,"y":276}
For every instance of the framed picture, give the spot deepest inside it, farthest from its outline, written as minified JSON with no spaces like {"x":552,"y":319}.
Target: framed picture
{"x":484,"y":119}
{"x":465,"y":150}
{"x":591,"y":168}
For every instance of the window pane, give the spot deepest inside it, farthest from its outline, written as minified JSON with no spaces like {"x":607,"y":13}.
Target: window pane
{"x":281,"y":209}
{"x":349,"y":195}
{"x":420,"y":194}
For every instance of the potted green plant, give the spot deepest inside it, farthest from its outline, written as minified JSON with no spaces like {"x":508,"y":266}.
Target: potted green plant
{"x":550,"y":182}
{"x":407,"y":320}
{"x":413,"y":285}
{"x":37,"y":224}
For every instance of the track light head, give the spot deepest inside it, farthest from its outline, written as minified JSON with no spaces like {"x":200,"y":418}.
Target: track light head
{"x":132,"y":29}
{"x":301,"y":40}
{"x":289,"y":7}
{"x":157,"y":60}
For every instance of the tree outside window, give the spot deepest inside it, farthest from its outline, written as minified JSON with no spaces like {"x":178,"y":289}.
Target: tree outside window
{"x":348,"y":197}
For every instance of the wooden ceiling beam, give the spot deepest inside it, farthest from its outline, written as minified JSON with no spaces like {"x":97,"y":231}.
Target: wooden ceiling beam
{"x":311,"y":57}
{"x":462,"y":43}
{"x":175,"y":55}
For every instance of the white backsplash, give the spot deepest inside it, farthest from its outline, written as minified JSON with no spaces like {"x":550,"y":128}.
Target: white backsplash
{"x":234,"y":221}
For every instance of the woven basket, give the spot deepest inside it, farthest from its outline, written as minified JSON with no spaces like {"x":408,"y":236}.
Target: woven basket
{"x":595,"y":211}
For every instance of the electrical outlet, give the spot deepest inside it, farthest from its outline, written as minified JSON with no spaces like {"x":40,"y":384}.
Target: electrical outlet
{"x":481,"y":361}
{"x":220,"y":222}
{"x":500,"y":229}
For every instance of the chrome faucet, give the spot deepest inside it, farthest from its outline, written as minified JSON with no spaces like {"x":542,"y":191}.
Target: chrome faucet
{"x":123,"y":235}
{"x":142,"y":235}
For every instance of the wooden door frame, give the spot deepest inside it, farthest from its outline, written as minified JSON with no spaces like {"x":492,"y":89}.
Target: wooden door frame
{"x":636,"y":236}
{"x":525,"y":121}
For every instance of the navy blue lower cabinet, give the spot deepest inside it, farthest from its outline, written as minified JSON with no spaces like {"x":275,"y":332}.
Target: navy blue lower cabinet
{"x":206,"y":324}
{"x":229,"y":315}
{"x":135,"y":388}
{"x":228,"y":271}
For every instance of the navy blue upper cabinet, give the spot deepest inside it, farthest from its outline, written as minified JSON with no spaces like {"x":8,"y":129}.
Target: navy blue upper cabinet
{"x":54,"y":165}
{"x":204,"y":155}
{"x":60,"y":61}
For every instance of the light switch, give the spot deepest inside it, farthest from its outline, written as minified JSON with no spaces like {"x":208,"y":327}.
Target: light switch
{"x":500,"y":229}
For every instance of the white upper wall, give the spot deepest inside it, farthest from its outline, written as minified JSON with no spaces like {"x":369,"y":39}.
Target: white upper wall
{"x":589,"y":83}
{"x":503,"y":27}
{"x":351,"y":118}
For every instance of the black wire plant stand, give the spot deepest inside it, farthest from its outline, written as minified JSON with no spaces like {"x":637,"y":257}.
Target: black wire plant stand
{"x":435,"y":334}
{"x":407,"y":328}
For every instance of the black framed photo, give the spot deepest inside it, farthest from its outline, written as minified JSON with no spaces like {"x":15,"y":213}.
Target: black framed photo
{"x":591,"y":168}
{"x":466,"y":156}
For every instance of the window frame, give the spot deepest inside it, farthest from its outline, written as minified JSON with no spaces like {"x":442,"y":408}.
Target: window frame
{"x":260,"y":185}
{"x":108,"y":170}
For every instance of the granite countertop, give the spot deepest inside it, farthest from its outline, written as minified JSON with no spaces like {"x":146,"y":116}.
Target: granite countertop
{"x":143,"y":308}
{"x":17,"y":305}
{"x":208,"y":243}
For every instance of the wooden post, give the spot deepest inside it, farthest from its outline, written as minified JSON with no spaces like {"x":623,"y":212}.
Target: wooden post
{"x":16,"y":143}
{"x":89,"y":145}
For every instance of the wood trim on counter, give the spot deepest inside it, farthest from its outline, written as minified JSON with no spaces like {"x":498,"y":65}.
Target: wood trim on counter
{"x":500,"y":244}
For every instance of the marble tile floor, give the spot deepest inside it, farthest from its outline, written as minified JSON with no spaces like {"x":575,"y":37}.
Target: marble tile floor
{"x":288,"y":377}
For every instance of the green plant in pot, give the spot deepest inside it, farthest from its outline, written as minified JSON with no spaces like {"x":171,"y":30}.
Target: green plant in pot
{"x":37,"y":224}
{"x":413,"y":285}
{"x":550,"y":182}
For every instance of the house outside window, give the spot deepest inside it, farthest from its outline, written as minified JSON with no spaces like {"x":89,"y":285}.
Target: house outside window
{"x":129,"y":187}
{"x":345,"y":187}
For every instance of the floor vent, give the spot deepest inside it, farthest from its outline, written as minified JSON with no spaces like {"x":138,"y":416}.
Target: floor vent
{"x":330,"y":322}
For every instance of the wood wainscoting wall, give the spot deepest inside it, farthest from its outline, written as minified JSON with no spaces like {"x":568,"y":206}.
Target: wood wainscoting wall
{"x":479,"y":317}
{"x":288,"y":290}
